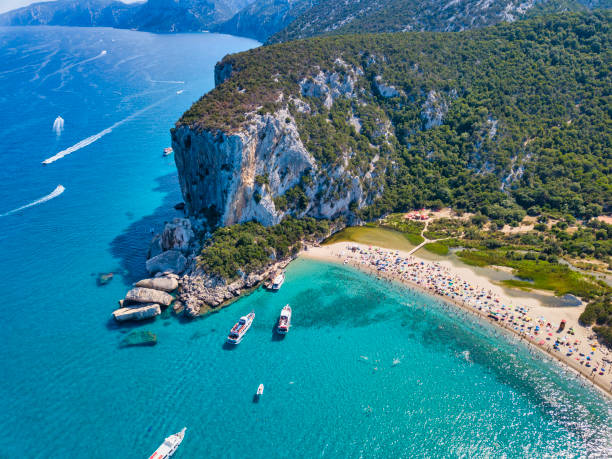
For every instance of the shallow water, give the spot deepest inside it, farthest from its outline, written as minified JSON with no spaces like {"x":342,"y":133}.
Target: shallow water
{"x":368,"y":369}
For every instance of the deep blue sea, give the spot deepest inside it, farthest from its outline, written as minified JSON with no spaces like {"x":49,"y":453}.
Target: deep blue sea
{"x":368,"y":370}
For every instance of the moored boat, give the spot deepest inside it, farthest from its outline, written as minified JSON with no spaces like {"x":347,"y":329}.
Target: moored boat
{"x":277,"y":282}
{"x":284,"y":321}
{"x":240,"y":328}
{"x":168,"y":151}
{"x":169,"y":446}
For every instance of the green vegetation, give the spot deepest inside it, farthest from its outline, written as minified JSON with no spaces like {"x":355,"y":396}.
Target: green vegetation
{"x":599,"y":314}
{"x":372,"y":235}
{"x":537,"y":271}
{"x":248,"y":247}
{"x":337,"y":17}
{"x":498,"y":120}
{"x":446,"y":228}
{"x":504,"y":122}
{"x":437,"y":248}
{"x":412,"y":229}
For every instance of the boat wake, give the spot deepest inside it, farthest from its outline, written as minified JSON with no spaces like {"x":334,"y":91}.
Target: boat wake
{"x":54,"y":194}
{"x":58,"y":126}
{"x":89,"y":140}
{"x":166,"y":81}
{"x":76,"y":64}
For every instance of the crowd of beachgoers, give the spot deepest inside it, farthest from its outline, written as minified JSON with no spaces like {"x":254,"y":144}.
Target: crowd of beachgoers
{"x":559,"y":338}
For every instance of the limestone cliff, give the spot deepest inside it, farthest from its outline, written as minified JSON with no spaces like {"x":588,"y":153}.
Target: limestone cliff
{"x":230,"y":176}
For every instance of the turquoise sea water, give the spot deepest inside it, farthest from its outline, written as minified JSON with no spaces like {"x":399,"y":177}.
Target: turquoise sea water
{"x":368,"y":370}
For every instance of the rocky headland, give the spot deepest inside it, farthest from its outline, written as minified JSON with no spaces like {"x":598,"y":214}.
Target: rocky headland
{"x":179,"y":282}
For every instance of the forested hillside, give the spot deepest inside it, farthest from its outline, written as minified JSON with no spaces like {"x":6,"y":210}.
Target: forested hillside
{"x":288,"y":19}
{"x":265,"y":17}
{"x":329,"y":17}
{"x":504,"y":120}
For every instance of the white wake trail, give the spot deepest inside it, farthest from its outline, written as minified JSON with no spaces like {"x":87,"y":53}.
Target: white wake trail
{"x":68,"y":67}
{"x":89,"y":140}
{"x":58,"y":126}
{"x":54,"y":194}
{"x":166,"y":81}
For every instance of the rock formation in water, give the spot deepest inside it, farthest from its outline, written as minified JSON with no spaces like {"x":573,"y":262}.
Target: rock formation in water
{"x":148,"y":295}
{"x":137,"y":312}
{"x":166,"y":284}
{"x":139,"y":338}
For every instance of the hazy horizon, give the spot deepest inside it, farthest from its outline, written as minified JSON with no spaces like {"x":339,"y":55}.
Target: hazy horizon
{"x":8,"y":5}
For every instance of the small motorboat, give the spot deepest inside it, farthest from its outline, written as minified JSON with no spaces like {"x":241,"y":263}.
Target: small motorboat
{"x":260,"y":390}
{"x":168,"y":151}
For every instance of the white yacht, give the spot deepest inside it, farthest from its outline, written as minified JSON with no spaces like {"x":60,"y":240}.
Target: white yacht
{"x":240,"y":328}
{"x":277,"y":282}
{"x":284,"y":321}
{"x":169,"y":446}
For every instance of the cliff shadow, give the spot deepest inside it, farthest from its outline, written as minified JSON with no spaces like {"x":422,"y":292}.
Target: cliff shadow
{"x":131,"y":246}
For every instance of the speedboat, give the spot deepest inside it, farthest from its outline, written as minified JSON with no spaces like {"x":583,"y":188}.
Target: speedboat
{"x":284,"y":321}
{"x":240,"y":328}
{"x":277,"y":282}
{"x":169,"y":446}
{"x":260,"y":390}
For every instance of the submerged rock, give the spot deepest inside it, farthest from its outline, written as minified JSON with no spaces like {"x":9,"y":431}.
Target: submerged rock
{"x":104,"y":278}
{"x":148,"y":295}
{"x":167,"y":284}
{"x":139,"y":338}
{"x":140,"y":312}
{"x":172,"y":260}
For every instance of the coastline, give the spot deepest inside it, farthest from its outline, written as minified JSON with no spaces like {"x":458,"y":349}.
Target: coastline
{"x":339,"y":253}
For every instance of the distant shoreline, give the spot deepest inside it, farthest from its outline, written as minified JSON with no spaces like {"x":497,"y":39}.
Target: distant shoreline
{"x":332,"y":253}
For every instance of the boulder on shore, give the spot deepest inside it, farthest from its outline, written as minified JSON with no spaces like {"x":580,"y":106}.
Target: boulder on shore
{"x":141,"y":312}
{"x":167,"y":284}
{"x":177,"y":235}
{"x":171,"y":260}
{"x":148,"y":295}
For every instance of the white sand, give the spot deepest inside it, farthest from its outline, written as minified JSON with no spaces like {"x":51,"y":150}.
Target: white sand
{"x":478,"y":294}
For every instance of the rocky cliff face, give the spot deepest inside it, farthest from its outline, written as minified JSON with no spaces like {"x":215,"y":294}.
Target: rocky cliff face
{"x":235,"y":177}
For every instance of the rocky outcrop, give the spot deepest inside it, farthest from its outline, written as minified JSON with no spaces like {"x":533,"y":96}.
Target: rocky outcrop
{"x":329,"y":86}
{"x":139,"y":312}
{"x":385,"y":90}
{"x":166,"y":284}
{"x":177,"y":235}
{"x":221,"y":174}
{"x":200,"y":292}
{"x":170,"y":261}
{"x":148,"y":295}
{"x":436,"y":107}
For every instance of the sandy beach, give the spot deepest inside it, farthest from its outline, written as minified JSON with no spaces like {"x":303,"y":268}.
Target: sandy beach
{"x":525,"y":317}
